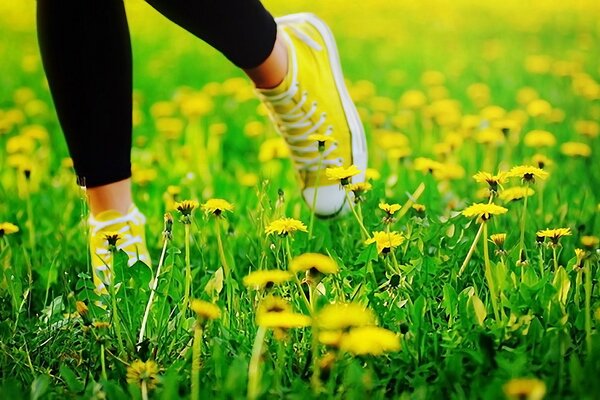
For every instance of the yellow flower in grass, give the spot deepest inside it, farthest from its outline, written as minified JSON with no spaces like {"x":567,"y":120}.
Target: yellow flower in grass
{"x":492,"y":180}
{"x":205,"y":310}
{"x":331,"y":338}
{"x":576,"y":149}
{"x":528,"y":173}
{"x":282,"y":320}
{"x":524,"y":389}
{"x":314,"y":262}
{"x":424,"y":164}
{"x":554,"y":234}
{"x":539,"y":138}
{"x":590,"y":241}
{"x":6,"y":228}
{"x":266,"y":278}
{"x":217,"y":206}
{"x":372,"y":174}
{"x":541,"y":161}
{"x":273,"y":304}
{"x":418,"y":209}
{"x":321,"y":140}
{"x":284,"y":226}
{"x":143,"y":373}
{"x":370,"y":340}
{"x":498,"y":239}
{"x":386,"y":241}
{"x":516,"y":193}
{"x":390,"y":209}
{"x":342,"y":174}
{"x":186,"y":207}
{"x":484,"y":211}
{"x":490,"y":136}
{"x":590,"y":129}
{"x":359,"y":189}
{"x":343,"y":316}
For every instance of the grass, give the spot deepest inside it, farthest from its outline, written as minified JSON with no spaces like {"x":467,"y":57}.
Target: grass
{"x":470,"y":334}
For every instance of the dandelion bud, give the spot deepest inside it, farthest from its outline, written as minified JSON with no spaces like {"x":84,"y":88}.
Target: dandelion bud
{"x":168,"y":225}
{"x":83,"y":312}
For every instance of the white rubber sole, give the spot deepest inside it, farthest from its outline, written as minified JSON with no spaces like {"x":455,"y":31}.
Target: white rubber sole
{"x":357,"y":131}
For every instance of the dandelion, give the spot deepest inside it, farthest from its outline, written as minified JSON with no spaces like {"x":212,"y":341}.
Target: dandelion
{"x":370,"y":340}
{"x":390,"y":209}
{"x":282,"y":320}
{"x":359,"y":189}
{"x":343,"y":316}
{"x":266,"y":279}
{"x":314,"y":263}
{"x":372,"y":174}
{"x":321,"y":140}
{"x":143,"y":374}
{"x":528,"y":173}
{"x":541,"y":161}
{"x":418,"y":210}
{"x":424,"y":164}
{"x":112,"y":238}
{"x":186,"y":207}
{"x":590,"y":241}
{"x":216,"y":207}
{"x":483,"y":211}
{"x":576,"y":149}
{"x":493,"y":181}
{"x":285,"y":226}
{"x":554,"y":234}
{"x":386,"y":241}
{"x":342,"y":174}
{"x":525,"y":389}
{"x":204,"y":310}
{"x":516,"y":193}
{"x":539,"y":138}
{"x":273,"y":304}
{"x":6,"y":228}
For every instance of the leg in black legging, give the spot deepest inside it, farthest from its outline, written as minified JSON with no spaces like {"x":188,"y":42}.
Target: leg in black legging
{"x":86,"y":52}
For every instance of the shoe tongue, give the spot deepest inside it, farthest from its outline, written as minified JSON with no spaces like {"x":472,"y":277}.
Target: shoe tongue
{"x":109,"y":215}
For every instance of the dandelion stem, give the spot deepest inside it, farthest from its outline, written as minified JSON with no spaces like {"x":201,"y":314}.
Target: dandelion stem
{"x":314,"y":380}
{"x":103,"y":362}
{"x":364,"y":233}
{"x":196,"y":353}
{"x":314,"y":200}
{"x":254,"y":374}
{"x":471,"y":250}
{"x":488,"y":271}
{"x":153,"y":287}
{"x":554,"y":258}
{"x":113,"y":299}
{"x":188,"y":272}
{"x":144,"y":390}
{"x":227,"y":271}
{"x":587,"y":269}
{"x":522,"y":250}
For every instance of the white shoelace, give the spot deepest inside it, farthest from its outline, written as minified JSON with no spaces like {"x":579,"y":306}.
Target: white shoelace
{"x":295,"y":125}
{"x":127,"y":239}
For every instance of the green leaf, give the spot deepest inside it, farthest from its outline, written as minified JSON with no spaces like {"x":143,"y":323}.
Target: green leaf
{"x":39,"y":387}
{"x":369,"y":253}
{"x":70,"y":379}
{"x":478,"y":309}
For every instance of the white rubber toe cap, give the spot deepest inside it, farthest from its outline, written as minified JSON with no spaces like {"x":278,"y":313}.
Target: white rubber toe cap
{"x":331,"y":200}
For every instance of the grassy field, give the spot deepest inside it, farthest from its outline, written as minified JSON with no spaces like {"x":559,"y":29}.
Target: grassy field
{"x":451,"y":308}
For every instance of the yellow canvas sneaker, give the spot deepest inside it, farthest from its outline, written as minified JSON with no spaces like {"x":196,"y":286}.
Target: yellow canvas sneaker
{"x":131,"y":230}
{"x":313,"y":99}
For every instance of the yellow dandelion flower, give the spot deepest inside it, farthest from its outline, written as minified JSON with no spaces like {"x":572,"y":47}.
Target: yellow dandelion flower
{"x":524,"y":389}
{"x":576,"y":149}
{"x":516,"y":193}
{"x":399,"y":153}
{"x":284,"y":226}
{"x":498,"y":239}
{"x":217,"y":206}
{"x":370,"y":340}
{"x":205,"y":310}
{"x":449,"y":171}
{"x":273,"y":304}
{"x":6,"y":228}
{"x":273,"y":148}
{"x":316,"y":137}
{"x":424,"y":164}
{"x":386,"y":241}
{"x":342,"y":316}
{"x":314,"y":262}
{"x":483,"y":211}
{"x":554,"y":234}
{"x":492,"y":180}
{"x":331,"y":338}
{"x":342,"y":174}
{"x":254,"y":129}
{"x":217,"y":129}
{"x":143,"y":373}
{"x":590,"y":241}
{"x":372,"y":174}
{"x":590,"y":129}
{"x":282,"y":320}
{"x":539,"y":138}
{"x":112,"y":238}
{"x":359,"y":188}
{"x":390,"y":209}
{"x":418,"y":209}
{"x":539,"y":108}
{"x":186,"y":207}
{"x":541,"y":161}
{"x":266,"y":278}
{"x":413,"y":99}
{"x":100,"y":325}
{"x":528,"y":173}
{"x":490,"y":136}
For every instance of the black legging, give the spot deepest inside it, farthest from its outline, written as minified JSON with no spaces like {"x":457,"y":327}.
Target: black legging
{"x":86,"y":52}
